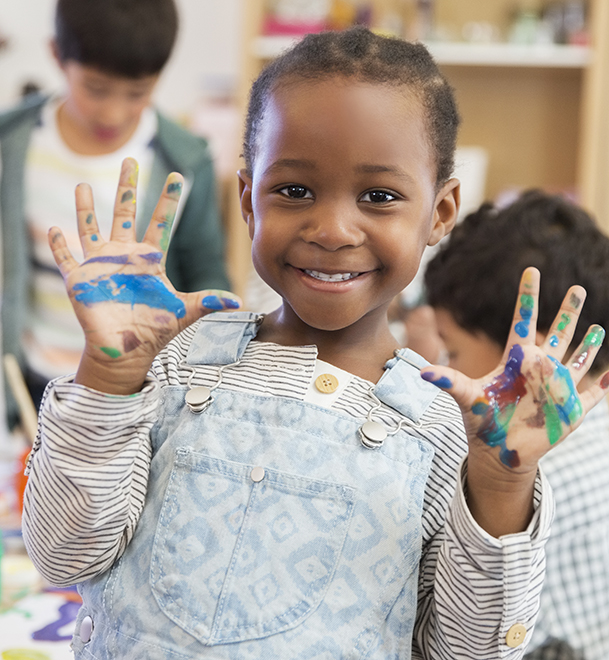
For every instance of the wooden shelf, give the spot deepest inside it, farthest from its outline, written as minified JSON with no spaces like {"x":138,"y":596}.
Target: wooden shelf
{"x":467,"y":54}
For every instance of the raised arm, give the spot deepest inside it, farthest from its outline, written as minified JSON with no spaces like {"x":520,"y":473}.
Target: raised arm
{"x":121,"y":295}
{"x":88,"y":470}
{"x":529,"y":404}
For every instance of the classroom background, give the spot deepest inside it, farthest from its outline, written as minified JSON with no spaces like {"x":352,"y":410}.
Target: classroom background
{"x":532,"y":82}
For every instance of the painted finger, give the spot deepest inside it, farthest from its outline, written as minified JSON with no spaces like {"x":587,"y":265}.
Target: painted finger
{"x":563,"y":327}
{"x":595,"y":393}
{"x":90,"y":238}
{"x":123,"y":224}
{"x":524,"y":323}
{"x":159,"y":229}
{"x":583,"y":357}
{"x":201,"y":303}
{"x":61,"y":253}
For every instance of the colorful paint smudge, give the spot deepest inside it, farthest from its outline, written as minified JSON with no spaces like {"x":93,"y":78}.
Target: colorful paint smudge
{"x":567,"y":410}
{"x":218,"y":303}
{"x":565,"y":319}
{"x":527,"y":304}
{"x":497,"y":407}
{"x":443,"y":382}
{"x":175,"y":187}
{"x":130,"y":341}
{"x":592,"y":340}
{"x":132,"y":290}
{"x":127,"y":196}
{"x":111,"y":352}
{"x":554,"y":341}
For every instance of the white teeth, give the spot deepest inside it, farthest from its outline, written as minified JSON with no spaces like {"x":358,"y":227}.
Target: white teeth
{"x":336,"y":277}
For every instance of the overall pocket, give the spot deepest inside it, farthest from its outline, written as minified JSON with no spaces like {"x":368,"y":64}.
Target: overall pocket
{"x":242,"y":551}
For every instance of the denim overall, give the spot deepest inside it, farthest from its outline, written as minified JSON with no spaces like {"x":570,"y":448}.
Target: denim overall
{"x":312,"y":555}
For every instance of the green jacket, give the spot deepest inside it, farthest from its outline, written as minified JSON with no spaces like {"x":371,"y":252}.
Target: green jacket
{"x":195,"y":259}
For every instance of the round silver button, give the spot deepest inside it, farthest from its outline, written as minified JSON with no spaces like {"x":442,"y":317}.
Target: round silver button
{"x":372,"y":434}
{"x":198,"y":398}
{"x":86,"y":629}
{"x":257,"y":474}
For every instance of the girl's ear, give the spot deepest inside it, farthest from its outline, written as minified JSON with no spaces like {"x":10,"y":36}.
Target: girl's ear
{"x":245,"y":195}
{"x":446,"y":210}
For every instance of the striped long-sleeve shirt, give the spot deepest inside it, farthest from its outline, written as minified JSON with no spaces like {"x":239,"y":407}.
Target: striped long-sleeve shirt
{"x":89,"y":470}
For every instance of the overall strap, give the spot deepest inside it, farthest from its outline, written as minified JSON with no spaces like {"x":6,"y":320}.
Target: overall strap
{"x":402,"y":387}
{"x":222,"y":337}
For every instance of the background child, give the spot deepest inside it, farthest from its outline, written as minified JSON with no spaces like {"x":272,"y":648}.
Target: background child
{"x":286,"y":486}
{"x":111,"y":54}
{"x":472,"y":284}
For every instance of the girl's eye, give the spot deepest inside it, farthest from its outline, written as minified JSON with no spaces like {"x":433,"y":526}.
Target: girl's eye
{"x":378,"y":197}
{"x":296,"y":192}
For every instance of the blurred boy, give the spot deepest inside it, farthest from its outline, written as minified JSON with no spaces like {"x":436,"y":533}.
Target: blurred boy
{"x":111,"y":54}
{"x":472,"y":284}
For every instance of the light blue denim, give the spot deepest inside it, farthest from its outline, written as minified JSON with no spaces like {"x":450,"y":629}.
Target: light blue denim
{"x":318,"y":560}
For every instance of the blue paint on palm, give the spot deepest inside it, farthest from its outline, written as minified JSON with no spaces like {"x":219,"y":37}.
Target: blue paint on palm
{"x":131,"y":290}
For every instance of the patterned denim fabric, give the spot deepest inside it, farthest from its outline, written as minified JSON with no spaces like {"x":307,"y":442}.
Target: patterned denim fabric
{"x":318,"y":560}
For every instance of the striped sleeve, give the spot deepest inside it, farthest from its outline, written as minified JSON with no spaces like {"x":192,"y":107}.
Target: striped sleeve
{"x":474,"y":588}
{"x":87,"y":480}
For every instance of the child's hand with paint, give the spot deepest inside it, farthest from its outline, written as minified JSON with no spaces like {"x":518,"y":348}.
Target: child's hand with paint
{"x":122,"y":297}
{"x":530,"y":403}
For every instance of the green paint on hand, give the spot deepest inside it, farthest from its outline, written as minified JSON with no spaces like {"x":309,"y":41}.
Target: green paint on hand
{"x":89,"y":219}
{"x":112,"y":352}
{"x":553,"y":424}
{"x":127,"y":195}
{"x":565,"y":320}
{"x":526,"y":301}
{"x":594,"y":337}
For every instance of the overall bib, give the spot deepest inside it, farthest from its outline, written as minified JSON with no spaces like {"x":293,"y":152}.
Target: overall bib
{"x":269,"y":530}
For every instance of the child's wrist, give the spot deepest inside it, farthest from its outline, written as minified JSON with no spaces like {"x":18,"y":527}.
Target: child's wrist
{"x":120,"y":378}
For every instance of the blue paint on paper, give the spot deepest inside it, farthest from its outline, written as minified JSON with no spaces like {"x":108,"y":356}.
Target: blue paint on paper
{"x":131,"y":290}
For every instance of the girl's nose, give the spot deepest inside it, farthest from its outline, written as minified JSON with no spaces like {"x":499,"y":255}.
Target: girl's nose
{"x":334,"y":227}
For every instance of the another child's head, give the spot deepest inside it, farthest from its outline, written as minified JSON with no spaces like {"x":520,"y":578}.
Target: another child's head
{"x":112,"y":53}
{"x":348,"y":147}
{"x":473,"y":281}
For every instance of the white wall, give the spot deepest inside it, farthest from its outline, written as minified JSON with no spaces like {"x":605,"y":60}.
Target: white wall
{"x":208,"y":45}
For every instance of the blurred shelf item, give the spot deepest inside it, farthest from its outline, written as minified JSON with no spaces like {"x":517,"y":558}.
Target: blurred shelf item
{"x":465,"y":54}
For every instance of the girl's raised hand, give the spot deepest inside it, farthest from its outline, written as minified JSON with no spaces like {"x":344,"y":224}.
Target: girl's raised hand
{"x":122,"y":297}
{"x":530,"y":403}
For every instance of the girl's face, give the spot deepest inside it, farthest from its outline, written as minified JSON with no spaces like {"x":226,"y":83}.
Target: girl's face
{"x":342,"y":200}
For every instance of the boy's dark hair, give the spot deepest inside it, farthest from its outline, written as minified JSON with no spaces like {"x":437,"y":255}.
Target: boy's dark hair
{"x":475,"y":275}
{"x":364,"y":56}
{"x":129,"y":38}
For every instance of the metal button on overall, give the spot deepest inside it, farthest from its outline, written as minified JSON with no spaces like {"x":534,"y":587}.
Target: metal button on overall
{"x":86,"y":629}
{"x":198,"y":398}
{"x":257,"y":474}
{"x":372,"y":434}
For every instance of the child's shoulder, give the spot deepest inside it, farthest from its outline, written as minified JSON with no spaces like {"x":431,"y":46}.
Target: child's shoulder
{"x":180,"y":145}
{"x":27,"y":110}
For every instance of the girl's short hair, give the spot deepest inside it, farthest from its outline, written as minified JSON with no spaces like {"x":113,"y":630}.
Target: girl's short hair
{"x":360,"y":54}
